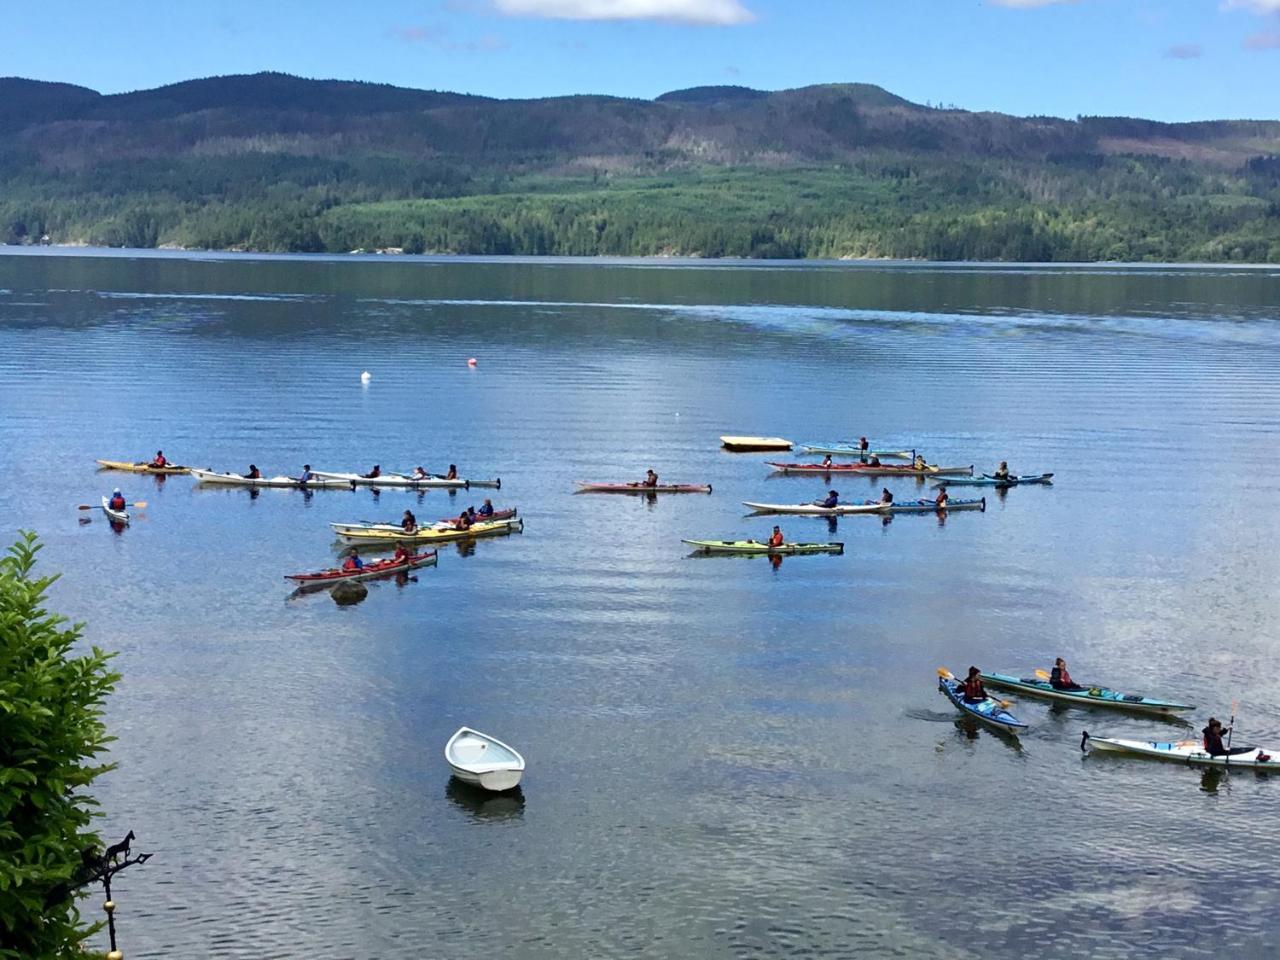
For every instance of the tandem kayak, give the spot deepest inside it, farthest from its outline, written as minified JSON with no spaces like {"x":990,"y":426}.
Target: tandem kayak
{"x":448,"y":523}
{"x":988,"y":711}
{"x":749,"y":444}
{"x":586,"y":487}
{"x":813,"y":509}
{"x":115,"y":516}
{"x":141,"y":467}
{"x":237,"y":480}
{"x":755,"y":546}
{"x":931,"y":506}
{"x":370,"y":571}
{"x":1183,"y":751}
{"x":840,"y":448}
{"x":378,"y":533}
{"x":867,"y":470}
{"x":987,"y":480}
{"x":1088,"y":697}
{"x":405,"y":480}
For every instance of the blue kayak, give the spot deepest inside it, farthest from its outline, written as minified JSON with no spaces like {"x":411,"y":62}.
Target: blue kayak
{"x":987,"y":480}
{"x":988,"y":711}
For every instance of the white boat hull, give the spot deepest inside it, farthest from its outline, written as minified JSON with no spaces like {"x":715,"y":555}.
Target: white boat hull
{"x":483,"y":761}
{"x":238,"y":480}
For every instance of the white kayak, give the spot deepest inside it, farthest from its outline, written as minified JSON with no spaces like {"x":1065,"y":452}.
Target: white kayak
{"x":238,"y":480}
{"x":754,"y":444}
{"x":406,"y":480}
{"x":1184,"y":751}
{"x":115,"y":516}
{"x":482,"y":760}
{"x":813,"y":509}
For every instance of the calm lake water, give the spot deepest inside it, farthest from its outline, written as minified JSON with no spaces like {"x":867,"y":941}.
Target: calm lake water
{"x":725,"y":759}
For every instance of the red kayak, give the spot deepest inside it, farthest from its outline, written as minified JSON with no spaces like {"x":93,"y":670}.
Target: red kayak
{"x":378,"y":568}
{"x":584,"y":487}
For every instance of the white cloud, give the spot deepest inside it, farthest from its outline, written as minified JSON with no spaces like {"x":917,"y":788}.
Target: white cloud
{"x":1257,"y":6}
{"x":714,"y":12}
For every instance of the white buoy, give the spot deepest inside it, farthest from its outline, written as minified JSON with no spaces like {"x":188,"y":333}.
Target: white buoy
{"x":366,"y":377}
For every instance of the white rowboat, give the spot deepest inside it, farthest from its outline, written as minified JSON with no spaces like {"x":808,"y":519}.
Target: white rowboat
{"x":482,"y":760}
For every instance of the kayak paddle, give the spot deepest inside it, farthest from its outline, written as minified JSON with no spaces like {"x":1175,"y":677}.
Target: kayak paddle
{"x":140,"y":505}
{"x":1043,"y":674}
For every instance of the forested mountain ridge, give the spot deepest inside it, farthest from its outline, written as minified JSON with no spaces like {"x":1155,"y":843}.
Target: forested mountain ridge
{"x":275,"y":162}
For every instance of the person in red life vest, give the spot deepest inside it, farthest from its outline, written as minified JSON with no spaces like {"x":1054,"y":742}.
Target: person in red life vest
{"x":117,"y":500}
{"x":401,"y":555}
{"x":776,"y":539}
{"x":254,"y":473}
{"x":374,"y":473}
{"x":352,"y":564}
{"x":1213,"y":744}
{"x":1059,"y":679}
{"x":650,"y":479}
{"x":971,"y":688}
{"x":409,"y":522}
{"x":826,"y":461}
{"x":453,"y":472}
{"x":159,"y":460}
{"x":941,"y":501}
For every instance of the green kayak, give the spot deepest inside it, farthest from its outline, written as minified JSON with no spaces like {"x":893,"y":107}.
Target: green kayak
{"x":1085,"y":697}
{"x":755,"y":546}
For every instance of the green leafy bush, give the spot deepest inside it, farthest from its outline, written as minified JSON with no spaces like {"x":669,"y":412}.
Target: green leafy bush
{"x":51,"y":734}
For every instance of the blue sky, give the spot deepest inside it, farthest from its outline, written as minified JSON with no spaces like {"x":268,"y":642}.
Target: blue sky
{"x":1165,"y":59}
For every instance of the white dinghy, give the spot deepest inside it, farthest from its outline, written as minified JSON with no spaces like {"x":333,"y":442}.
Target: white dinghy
{"x":479,"y":759}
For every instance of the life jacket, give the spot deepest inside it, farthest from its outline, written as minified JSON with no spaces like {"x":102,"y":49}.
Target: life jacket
{"x":776,"y":540}
{"x":830,"y":502}
{"x":409,"y":524}
{"x":1059,"y":678}
{"x":486,"y":511}
{"x":159,"y":461}
{"x":1212,"y":741}
{"x":117,"y":503}
{"x":972,"y":689}
{"x":352,"y":563}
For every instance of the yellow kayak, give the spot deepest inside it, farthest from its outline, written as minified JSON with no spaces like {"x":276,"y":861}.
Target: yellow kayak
{"x":379,"y":533}
{"x":140,"y":467}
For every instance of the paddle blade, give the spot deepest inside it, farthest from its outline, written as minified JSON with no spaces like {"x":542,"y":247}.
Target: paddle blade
{"x":945,"y":674}
{"x":141,"y":505}
{"x":85,"y":506}
{"x":1042,"y":674}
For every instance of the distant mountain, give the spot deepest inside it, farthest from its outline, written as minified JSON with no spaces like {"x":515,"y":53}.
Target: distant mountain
{"x":275,"y":161}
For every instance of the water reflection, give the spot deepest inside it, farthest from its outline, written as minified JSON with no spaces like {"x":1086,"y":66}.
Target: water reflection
{"x":483,"y":804}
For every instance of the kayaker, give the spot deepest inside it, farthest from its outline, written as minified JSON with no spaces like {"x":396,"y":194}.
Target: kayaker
{"x":117,"y":500}
{"x":833,"y":498}
{"x":886,"y":496}
{"x":352,"y":563}
{"x":874,"y":462}
{"x":971,"y":688}
{"x":463,"y":522}
{"x":159,"y":460}
{"x":863,"y":446}
{"x":1059,"y":679}
{"x":776,"y":539}
{"x":1002,"y":471}
{"x":940,"y":501}
{"x":374,"y":473}
{"x":486,"y":509}
{"x":919,"y":463}
{"x":826,"y":461}
{"x":1213,"y":744}
{"x":420,"y":474}
{"x":409,"y":523}
{"x":254,"y":473}
{"x":401,"y":555}
{"x":307,"y":475}
{"x":453,"y":472}
{"x":650,"y":479}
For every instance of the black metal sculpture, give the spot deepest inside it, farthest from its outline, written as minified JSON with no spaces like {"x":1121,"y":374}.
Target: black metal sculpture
{"x":100,"y":868}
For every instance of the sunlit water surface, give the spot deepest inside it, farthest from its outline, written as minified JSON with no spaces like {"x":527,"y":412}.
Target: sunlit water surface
{"x":725,"y":759}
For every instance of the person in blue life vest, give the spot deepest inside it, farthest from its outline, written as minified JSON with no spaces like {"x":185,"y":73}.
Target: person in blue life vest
{"x":307,"y":475}
{"x":833,"y":498}
{"x":486,"y":509}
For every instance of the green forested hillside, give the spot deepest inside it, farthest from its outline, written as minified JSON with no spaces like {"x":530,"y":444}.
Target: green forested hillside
{"x":270,"y":162}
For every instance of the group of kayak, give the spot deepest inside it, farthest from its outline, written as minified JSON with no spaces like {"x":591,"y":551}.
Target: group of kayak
{"x":970,"y":696}
{"x":308,"y":478}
